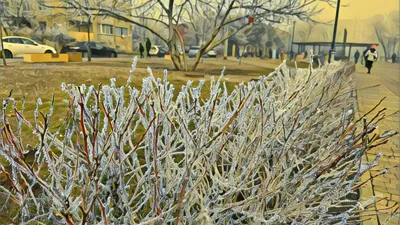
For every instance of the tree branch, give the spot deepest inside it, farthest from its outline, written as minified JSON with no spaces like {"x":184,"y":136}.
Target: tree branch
{"x":101,"y":11}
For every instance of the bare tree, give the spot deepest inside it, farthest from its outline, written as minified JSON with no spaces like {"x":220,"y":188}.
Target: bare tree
{"x":229,"y":12}
{"x":381,"y":32}
{"x":168,"y":14}
{"x":20,"y":6}
{"x":394,"y":21}
{"x":305,"y":33}
{"x":13,"y":13}
{"x":386,"y":30}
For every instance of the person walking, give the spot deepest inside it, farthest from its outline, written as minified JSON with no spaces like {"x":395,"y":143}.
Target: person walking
{"x":364,"y":59}
{"x":394,"y":58}
{"x":148,"y":47}
{"x":323,"y":58}
{"x":270,"y":53}
{"x":371,"y":57}
{"x":141,"y":50}
{"x":356,"y":56}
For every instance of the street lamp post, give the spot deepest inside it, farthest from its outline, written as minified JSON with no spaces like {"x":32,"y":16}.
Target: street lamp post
{"x":334,"y":31}
{"x":2,"y":52}
{"x":292,"y":39}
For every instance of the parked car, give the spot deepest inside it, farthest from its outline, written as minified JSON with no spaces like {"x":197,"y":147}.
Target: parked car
{"x":194,"y":49}
{"x":97,"y":49}
{"x":179,"y":49}
{"x":212,"y":54}
{"x":246,"y":54}
{"x":15,"y":46}
{"x":158,"y":51}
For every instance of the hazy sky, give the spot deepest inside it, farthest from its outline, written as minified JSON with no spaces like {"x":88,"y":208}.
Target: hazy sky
{"x":360,"y":9}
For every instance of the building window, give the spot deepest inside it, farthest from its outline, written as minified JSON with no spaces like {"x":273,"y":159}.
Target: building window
{"x":84,"y":28}
{"x":25,"y":6}
{"x":106,"y":29}
{"x":121,"y":31}
{"x":42,"y":25}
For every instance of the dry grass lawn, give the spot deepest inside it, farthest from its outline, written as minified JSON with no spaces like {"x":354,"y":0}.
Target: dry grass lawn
{"x":44,"y":80}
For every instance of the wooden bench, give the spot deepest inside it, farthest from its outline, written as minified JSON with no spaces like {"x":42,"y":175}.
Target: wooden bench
{"x":168,"y":57}
{"x":43,"y":58}
{"x":74,"y":56}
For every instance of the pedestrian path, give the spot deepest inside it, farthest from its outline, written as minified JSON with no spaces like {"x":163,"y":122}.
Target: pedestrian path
{"x":383,"y":82}
{"x":371,"y":88}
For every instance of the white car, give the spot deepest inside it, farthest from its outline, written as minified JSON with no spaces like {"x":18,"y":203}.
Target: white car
{"x":15,"y":46}
{"x":212,"y":54}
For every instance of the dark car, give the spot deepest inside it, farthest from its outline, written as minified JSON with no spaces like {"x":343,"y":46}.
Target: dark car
{"x":97,"y":49}
{"x":193,"y":50}
{"x":158,"y":51}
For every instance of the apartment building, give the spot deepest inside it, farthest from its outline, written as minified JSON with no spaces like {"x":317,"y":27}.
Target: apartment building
{"x":57,"y":26}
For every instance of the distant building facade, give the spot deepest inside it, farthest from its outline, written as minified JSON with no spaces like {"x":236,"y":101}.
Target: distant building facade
{"x":46,"y":23}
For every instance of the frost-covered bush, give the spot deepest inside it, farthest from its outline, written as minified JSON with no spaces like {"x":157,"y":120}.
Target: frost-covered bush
{"x":285,"y":149}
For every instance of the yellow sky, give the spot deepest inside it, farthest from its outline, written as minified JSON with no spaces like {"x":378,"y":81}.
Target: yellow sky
{"x":360,"y":9}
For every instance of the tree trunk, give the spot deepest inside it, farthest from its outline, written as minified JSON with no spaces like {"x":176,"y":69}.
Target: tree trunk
{"x":1,"y":45}
{"x":384,"y":50}
{"x":144,"y":30}
{"x":173,"y":48}
{"x":204,"y":47}
{"x":197,"y":39}
{"x":88,"y":36}
{"x":18,"y":16}
{"x":182,"y":42}
{"x":380,"y":38}
{"x":197,"y":61}
{"x":176,"y":60}
{"x":171,"y":39}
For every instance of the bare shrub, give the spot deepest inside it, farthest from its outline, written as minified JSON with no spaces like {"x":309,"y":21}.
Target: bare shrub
{"x":285,"y":149}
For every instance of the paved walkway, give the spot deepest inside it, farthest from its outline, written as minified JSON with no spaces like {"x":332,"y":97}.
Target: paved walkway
{"x":387,"y":76}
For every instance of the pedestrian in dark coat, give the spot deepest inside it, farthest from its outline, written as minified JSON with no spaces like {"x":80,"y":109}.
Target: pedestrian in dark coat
{"x":270,"y":53}
{"x":141,"y":50}
{"x":356,"y":56}
{"x":371,"y":57}
{"x":148,"y":47}
{"x":394,"y":58}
